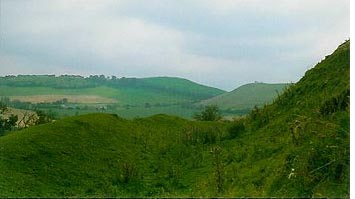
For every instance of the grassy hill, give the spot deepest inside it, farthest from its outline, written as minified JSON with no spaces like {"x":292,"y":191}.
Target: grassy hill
{"x":246,"y":96}
{"x":299,"y":146}
{"x":128,"y":97}
{"x":306,"y":131}
{"x":132,"y":91}
{"x":103,"y":155}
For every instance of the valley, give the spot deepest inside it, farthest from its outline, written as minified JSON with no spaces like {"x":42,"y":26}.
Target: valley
{"x":129,"y":97}
{"x":293,"y":140}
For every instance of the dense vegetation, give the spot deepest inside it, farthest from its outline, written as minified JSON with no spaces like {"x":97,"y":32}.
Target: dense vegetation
{"x":210,"y":113}
{"x":6,"y":124}
{"x":303,"y":138}
{"x":296,"y":147}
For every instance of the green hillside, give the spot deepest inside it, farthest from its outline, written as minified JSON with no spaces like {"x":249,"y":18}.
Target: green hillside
{"x":103,"y":155}
{"x":299,"y":146}
{"x":246,"y":96}
{"x":127,"y":97}
{"x":306,"y":129}
{"x":182,"y":86}
{"x":132,"y":91}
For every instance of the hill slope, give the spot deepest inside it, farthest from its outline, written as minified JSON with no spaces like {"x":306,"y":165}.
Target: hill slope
{"x":301,"y":143}
{"x":103,"y":155}
{"x":130,"y":91}
{"x":246,"y":96}
{"x":296,"y":147}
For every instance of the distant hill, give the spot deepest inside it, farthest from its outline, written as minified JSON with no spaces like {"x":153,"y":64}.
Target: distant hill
{"x":131,"y":91}
{"x":296,"y":147}
{"x":246,"y":96}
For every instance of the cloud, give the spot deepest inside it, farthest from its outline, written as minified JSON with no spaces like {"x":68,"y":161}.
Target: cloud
{"x":222,"y":43}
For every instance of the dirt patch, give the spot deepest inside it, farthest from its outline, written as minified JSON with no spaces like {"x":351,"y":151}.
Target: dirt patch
{"x":81,"y":99}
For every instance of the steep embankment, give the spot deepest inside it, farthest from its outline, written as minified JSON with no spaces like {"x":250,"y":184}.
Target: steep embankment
{"x":299,"y":145}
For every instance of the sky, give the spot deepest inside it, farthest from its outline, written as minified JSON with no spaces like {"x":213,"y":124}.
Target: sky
{"x":219,"y":43}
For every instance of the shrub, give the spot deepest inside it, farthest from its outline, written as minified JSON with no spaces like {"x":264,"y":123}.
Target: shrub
{"x":236,"y":129}
{"x":210,"y":113}
{"x":334,"y":104}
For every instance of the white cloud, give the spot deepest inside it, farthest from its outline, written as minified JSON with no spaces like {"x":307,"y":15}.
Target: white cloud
{"x":14,"y":64}
{"x":294,"y":7}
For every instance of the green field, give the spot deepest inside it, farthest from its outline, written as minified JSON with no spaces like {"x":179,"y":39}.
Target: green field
{"x":298,"y":146}
{"x":123,"y":96}
{"x":162,"y":95}
{"x":130,"y":91}
{"x":133,"y":97}
{"x":131,"y":112}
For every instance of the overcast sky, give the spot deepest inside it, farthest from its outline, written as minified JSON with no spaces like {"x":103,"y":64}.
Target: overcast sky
{"x":220,"y":43}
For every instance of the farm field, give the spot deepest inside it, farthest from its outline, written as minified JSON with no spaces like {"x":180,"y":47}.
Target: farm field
{"x":153,"y":96}
{"x":81,"y":99}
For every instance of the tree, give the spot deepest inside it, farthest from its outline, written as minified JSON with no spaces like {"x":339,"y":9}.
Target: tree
{"x":210,"y":113}
{"x":42,"y":117}
{"x":9,"y":123}
{"x":3,"y":108}
{"x":64,"y":101}
{"x":28,"y":119}
{"x":236,"y":129}
{"x":102,"y":77}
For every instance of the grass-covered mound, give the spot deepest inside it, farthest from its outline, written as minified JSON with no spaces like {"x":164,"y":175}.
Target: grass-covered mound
{"x":296,"y":147}
{"x":103,"y":155}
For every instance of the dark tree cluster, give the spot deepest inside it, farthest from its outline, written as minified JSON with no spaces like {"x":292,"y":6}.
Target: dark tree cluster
{"x":210,"y":113}
{"x":6,"y":124}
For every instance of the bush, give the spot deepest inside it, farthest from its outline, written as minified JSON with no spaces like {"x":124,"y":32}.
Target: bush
{"x":210,"y":113}
{"x":236,"y":129}
{"x":338,"y":103}
{"x":43,"y":117}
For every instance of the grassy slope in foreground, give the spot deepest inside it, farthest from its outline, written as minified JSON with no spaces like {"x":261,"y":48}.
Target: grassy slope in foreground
{"x":296,"y":147}
{"x":103,"y":155}
{"x":246,"y":96}
{"x":307,"y":129}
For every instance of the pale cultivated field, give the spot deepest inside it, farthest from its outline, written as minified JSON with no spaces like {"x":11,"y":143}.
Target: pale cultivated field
{"x":83,"y":99}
